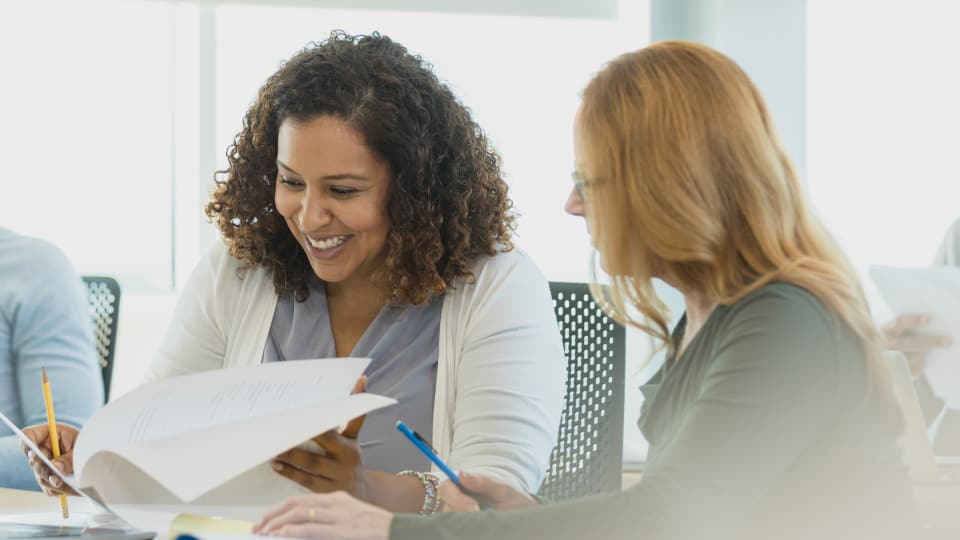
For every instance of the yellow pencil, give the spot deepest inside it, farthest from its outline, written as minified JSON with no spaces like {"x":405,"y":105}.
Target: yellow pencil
{"x":54,"y":436}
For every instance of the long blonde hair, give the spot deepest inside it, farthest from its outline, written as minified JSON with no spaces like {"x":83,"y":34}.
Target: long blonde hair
{"x":688,"y":180}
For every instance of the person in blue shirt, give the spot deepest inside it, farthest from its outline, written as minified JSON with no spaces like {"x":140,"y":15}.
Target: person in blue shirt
{"x":44,"y":323}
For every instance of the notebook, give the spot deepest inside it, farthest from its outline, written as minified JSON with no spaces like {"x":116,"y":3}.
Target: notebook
{"x":924,"y":466}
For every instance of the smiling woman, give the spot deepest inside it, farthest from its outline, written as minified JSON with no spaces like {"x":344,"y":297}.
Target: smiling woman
{"x":332,"y":191}
{"x":364,"y":213}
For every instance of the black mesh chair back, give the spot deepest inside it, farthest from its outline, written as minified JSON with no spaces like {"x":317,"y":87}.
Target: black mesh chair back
{"x":103,"y":295}
{"x":588,"y":457}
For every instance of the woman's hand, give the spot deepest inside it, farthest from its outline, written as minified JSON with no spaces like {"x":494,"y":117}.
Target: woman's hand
{"x":334,"y":466}
{"x":901,"y":335}
{"x":332,"y":516}
{"x":40,"y":435}
{"x":332,"y":462}
{"x":498,"y":495}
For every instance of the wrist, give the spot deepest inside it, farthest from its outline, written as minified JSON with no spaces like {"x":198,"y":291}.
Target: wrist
{"x":403,"y":494}
{"x":431,"y":493}
{"x":365,"y":486}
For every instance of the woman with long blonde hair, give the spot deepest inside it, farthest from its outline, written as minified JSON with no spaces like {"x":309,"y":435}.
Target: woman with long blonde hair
{"x":771,"y":417}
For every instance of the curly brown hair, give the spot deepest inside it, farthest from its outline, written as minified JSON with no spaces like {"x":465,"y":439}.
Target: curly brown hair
{"x":448,"y":201}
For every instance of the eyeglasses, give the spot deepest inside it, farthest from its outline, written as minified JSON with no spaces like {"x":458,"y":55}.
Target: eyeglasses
{"x":580,"y":184}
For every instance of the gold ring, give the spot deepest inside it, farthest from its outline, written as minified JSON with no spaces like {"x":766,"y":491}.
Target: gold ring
{"x":310,"y":515}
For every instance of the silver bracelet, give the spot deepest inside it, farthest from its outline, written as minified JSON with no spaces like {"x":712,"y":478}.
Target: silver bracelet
{"x":431,"y":497}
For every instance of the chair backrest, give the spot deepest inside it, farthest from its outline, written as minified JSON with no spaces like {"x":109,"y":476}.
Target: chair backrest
{"x":103,"y":295}
{"x":588,"y":457}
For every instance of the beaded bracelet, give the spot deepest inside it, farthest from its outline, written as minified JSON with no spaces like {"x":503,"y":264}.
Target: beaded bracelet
{"x":431,"y":499}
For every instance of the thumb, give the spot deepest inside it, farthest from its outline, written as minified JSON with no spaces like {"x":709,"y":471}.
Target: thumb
{"x":352,"y":430}
{"x":478,"y":484}
{"x":64,"y":463}
{"x":360,"y":386}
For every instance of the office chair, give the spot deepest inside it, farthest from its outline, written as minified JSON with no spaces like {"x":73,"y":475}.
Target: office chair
{"x":588,"y":458}
{"x":103,"y":295}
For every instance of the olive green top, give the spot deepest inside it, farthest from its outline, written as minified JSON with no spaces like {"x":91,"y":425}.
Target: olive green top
{"x":762,"y":428}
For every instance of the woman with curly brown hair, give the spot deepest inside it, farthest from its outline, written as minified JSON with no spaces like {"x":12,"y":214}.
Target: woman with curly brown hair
{"x":364,"y":213}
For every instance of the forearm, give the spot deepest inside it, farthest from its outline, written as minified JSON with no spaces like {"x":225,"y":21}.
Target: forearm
{"x":402,"y":494}
{"x":15,"y":473}
{"x":612,"y":517}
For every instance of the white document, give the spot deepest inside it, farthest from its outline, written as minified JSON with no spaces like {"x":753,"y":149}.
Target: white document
{"x":208,"y":438}
{"x":935,"y":291}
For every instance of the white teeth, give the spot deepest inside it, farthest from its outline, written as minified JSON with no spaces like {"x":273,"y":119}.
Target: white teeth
{"x":327,"y":243}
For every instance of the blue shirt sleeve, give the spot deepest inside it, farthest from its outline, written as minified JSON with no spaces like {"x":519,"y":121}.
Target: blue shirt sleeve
{"x":48,"y":325}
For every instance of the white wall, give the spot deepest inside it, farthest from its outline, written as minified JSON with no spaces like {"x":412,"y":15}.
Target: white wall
{"x":883,"y":111}
{"x":143,"y":319}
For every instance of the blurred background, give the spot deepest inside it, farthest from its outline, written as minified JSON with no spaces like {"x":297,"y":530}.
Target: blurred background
{"x":114,"y":115}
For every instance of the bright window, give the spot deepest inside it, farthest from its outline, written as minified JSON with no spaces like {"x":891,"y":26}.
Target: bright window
{"x":86,"y":140}
{"x":882,"y":117}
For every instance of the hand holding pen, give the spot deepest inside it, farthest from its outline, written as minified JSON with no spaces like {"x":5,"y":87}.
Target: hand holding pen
{"x":467,"y":492}
{"x":53,"y":433}
{"x":495,"y":494}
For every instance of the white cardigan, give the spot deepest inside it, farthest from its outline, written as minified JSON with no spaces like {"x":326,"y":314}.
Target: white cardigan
{"x":501,"y":368}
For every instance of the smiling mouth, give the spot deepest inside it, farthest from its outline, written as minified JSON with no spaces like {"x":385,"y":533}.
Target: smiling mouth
{"x":327,"y":243}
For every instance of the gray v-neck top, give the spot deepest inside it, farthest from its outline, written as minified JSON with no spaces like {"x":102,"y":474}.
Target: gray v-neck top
{"x":402,"y":343}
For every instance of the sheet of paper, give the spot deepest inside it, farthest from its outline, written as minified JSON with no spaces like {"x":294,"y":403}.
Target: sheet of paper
{"x":153,"y":445}
{"x":935,"y":291}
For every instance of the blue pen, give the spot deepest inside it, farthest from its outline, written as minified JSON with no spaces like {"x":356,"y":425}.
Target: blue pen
{"x":431,"y":454}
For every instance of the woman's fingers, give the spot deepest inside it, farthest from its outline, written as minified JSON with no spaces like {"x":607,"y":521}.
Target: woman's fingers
{"x":455,"y":500}
{"x":918,"y":343}
{"x":352,"y":430}
{"x":309,"y":480}
{"x":295,"y":509}
{"x":906,"y":322}
{"x":68,"y":438}
{"x":335,"y":515}
{"x":902,"y":335}
{"x":360,"y":386}
{"x":340,"y":447}
{"x":39,"y":434}
{"x":49,"y":482}
{"x":276,"y":510}
{"x":312,"y":462}
{"x":485,"y":486}
{"x":314,"y":471}
{"x":45,"y":477}
{"x":498,"y":494}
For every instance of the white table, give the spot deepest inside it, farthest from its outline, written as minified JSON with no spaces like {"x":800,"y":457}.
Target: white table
{"x":15,"y":501}
{"x":936,"y":504}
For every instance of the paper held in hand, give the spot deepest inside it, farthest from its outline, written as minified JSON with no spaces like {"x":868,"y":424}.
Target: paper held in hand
{"x":934,"y":291}
{"x":208,"y":438}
